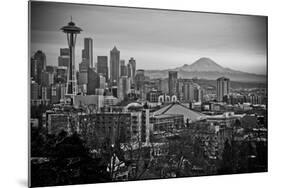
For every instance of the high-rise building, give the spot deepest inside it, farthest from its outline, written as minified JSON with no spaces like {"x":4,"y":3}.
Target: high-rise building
{"x":51,"y":69}
{"x":192,"y":92}
{"x":140,"y":83}
{"x":123,"y":68}
{"x":114,"y":91}
{"x":180,"y":88}
{"x":33,"y":69}
{"x":44,"y":78}
{"x":61,"y":74}
{"x":84,"y":66}
{"x":82,"y":77}
{"x":172,"y":83}
{"x":34,"y":91}
{"x":64,"y":58}
{"x":124,"y":87}
{"x":198,"y":95}
{"x":87,"y":52}
{"x":93,"y":81}
{"x":64,"y":52}
{"x":188,"y":92}
{"x":132,"y":63}
{"x":114,"y":64}
{"x":153,"y":95}
{"x":139,"y":79}
{"x":223,"y":88}
{"x":51,"y":77}
{"x":46,"y":93}
{"x":102,"y":80}
{"x":40,"y":60}
{"x":102,"y":67}
{"x":129,"y":70}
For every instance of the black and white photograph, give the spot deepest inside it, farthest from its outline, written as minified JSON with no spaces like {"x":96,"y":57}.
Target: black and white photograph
{"x":127,"y":93}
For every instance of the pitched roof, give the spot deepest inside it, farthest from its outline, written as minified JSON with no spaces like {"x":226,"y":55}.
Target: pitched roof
{"x":178,"y":108}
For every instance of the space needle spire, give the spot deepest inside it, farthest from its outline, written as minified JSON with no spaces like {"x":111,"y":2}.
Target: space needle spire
{"x":71,"y":31}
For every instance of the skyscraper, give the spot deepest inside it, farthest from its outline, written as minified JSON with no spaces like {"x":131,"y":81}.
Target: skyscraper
{"x":102,"y":66}
{"x":40,"y":60}
{"x":198,"y":95}
{"x":34,"y":91}
{"x":124,"y":87}
{"x":223,"y":85}
{"x":83,"y":66}
{"x":192,"y":92}
{"x":93,"y":81}
{"x":61,"y":75}
{"x":33,"y":70}
{"x":123,"y":68}
{"x":114,"y":64}
{"x":87,"y":52}
{"x":63,"y":59}
{"x":129,"y":70}
{"x":132,"y":62}
{"x":102,"y":81}
{"x":188,"y":92}
{"x":83,"y":77}
{"x":139,"y":79}
{"x":172,"y":83}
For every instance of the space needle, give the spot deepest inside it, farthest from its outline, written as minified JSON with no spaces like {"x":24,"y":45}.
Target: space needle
{"x":71,"y":31}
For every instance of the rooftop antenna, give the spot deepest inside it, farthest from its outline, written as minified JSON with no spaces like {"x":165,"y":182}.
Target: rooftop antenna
{"x":71,"y":18}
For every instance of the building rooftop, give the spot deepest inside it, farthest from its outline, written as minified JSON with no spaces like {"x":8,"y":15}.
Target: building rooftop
{"x":178,"y":108}
{"x":134,"y":105}
{"x":167,"y":115}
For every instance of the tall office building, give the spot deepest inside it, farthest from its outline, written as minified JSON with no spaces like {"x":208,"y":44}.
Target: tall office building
{"x":93,"y":81}
{"x":102,"y":82}
{"x":198,"y":93}
{"x":84,"y":66}
{"x":87,"y":52}
{"x":139,"y":79}
{"x":132,"y":63}
{"x":129,"y":70}
{"x":51,"y":69}
{"x":114,"y":64}
{"x":34,"y":91}
{"x":64,"y":58}
{"x":124,"y":87}
{"x":46,"y":94}
{"x":83,"y":74}
{"x":61,"y":75}
{"x":192,"y":92}
{"x":188,"y":92}
{"x":45,"y":79}
{"x":40,"y":59}
{"x":172,"y":82}
{"x":223,"y":88}
{"x":33,"y":69}
{"x":102,"y":66}
{"x":123,"y":68}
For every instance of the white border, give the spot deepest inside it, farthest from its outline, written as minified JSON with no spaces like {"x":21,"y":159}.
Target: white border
{"x":13,"y":66}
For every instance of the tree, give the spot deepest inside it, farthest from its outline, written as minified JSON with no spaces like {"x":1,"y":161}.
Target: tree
{"x":227,"y":159}
{"x":69,"y":162}
{"x":138,"y":156}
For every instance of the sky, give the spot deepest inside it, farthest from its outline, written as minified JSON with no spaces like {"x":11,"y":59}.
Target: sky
{"x":157,"y":39}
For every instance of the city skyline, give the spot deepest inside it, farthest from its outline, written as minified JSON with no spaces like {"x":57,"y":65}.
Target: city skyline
{"x":244,"y":50}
